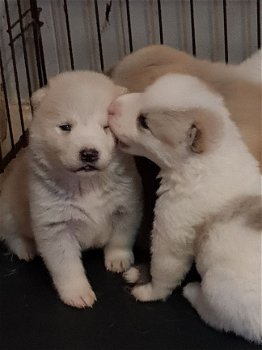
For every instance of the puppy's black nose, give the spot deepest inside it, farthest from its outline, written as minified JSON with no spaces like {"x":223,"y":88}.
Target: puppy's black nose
{"x":89,"y":155}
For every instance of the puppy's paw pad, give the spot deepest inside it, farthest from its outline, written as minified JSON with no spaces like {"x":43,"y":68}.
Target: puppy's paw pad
{"x":79,"y":297}
{"x":119,"y":260}
{"x":132,"y":275}
{"x":191,"y":291}
{"x":143,"y":293}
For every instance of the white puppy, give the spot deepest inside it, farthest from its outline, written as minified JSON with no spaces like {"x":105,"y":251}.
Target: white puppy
{"x":208,"y":206}
{"x":72,"y":189}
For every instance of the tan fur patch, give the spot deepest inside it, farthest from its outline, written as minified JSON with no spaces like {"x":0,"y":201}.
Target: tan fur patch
{"x":249,"y":207}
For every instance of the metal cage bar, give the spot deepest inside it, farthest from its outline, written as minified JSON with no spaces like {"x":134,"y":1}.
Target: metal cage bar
{"x":130,"y":39}
{"x":258,"y":25}
{"x":15,"y":147}
{"x":161,"y":38}
{"x":39,"y":51}
{"x":9,"y":122}
{"x":68,"y":31}
{"x":20,"y":18}
{"x":225,"y":29}
{"x":193,"y":33}
{"x":99,"y":37}
{"x":29,"y":86}
{"x":11,"y":43}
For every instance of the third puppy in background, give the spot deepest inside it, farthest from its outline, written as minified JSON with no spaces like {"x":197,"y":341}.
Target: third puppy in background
{"x":240,"y":85}
{"x":209,"y":200}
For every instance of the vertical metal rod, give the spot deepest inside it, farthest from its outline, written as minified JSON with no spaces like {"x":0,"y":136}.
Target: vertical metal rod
{"x":225,"y":29}
{"x":39,"y":52}
{"x":193,"y":27}
{"x":29,"y":86}
{"x":258,"y":25}
{"x":14,"y":67}
{"x":6,"y":102}
{"x":70,"y":48}
{"x":99,"y":37}
{"x":160,"y":21}
{"x":129,"y":27}
{"x":37,"y":56}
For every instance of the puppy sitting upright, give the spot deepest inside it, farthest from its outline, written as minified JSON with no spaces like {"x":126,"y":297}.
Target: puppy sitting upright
{"x":72,"y":189}
{"x":208,"y":206}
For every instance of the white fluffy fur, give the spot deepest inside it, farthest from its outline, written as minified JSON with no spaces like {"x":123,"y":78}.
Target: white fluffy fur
{"x":209,"y":205}
{"x":46,"y":201}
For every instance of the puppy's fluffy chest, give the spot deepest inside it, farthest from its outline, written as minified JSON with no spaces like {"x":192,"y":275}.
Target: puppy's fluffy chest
{"x":91,"y":217}
{"x":96,"y":204}
{"x":88,"y":207}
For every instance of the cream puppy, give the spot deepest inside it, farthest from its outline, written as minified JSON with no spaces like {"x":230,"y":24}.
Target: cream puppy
{"x":72,"y":189}
{"x":240,"y":84}
{"x":208,"y":206}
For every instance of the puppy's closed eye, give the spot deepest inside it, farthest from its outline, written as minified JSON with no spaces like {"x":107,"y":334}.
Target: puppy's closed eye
{"x":142,"y":121}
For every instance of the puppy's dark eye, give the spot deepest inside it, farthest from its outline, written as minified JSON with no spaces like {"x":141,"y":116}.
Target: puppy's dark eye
{"x":106,"y":127}
{"x":65,"y":127}
{"x":142,"y":121}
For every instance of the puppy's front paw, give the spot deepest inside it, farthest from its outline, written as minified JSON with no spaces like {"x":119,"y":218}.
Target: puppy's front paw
{"x":138,"y":274}
{"x":77,"y":294}
{"x":146,"y":292}
{"x":118,"y":260}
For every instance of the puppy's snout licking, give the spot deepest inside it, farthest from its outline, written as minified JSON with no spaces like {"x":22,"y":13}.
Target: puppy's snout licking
{"x":89,"y":155}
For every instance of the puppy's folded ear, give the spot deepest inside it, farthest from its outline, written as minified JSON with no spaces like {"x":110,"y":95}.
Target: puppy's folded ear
{"x":38,"y":96}
{"x":194,"y":139}
{"x":206,"y":131}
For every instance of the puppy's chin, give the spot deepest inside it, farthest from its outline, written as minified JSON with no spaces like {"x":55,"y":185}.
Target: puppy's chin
{"x":87,"y":174}
{"x":88,"y":168}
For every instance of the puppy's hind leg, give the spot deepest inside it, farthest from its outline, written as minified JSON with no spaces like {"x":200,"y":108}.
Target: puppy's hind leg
{"x":24,"y":248}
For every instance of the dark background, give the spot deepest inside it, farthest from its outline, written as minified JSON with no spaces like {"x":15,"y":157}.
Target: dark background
{"x":33,"y":318}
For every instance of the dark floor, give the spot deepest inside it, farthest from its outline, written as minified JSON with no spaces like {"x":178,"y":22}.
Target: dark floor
{"x":32,"y":316}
